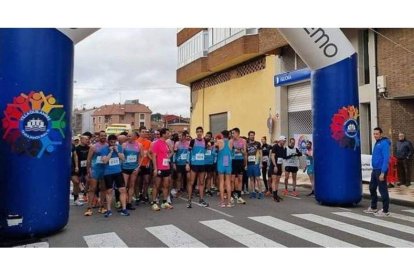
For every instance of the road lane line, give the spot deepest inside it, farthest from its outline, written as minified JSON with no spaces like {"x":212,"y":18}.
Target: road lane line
{"x":174,"y":237}
{"x":34,"y":245}
{"x":240,"y":234}
{"x":301,"y":232}
{"x":376,"y":221}
{"x":402,"y":217}
{"x":358,"y":231}
{"x":110,"y":239}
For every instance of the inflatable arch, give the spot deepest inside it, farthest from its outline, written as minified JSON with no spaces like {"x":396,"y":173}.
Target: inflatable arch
{"x":36,"y":79}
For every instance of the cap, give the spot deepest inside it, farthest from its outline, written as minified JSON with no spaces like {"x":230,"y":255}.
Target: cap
{"x":75,"y":138}
{"x":282,"y":138}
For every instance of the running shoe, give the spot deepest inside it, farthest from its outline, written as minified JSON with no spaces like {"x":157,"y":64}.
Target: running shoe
{"x":285,"y":192}
{"x":155,"y":207}
{"x":78,"y":203}
{"x":370,"y":210}
{"x":166,"y":205}
{"x":88,"y":212}
{"x":252,"y":195}
{"x":241,"y":201}
{"x":381,"y":213}
{"x":222,"y":204}
{"x":108,"y":213}
{"x":260,"y":196}
{"x":118,"y":205}
{"x":311,"y":193}
{"x":124,"y":212}
{"x":202,"y":203}
{"x":294,"y":193}
{"x":102,"y":210}
{"x":189,"y":204}
{"x":130,"y":207}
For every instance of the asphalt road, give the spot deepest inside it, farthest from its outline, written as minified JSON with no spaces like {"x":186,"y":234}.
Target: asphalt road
{"x":294,"y":222}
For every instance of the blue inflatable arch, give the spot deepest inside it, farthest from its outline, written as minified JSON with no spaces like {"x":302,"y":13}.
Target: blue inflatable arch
{"x":36,"y":78}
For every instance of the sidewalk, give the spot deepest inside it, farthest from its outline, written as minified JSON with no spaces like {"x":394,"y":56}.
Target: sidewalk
{"x":400,"y":195}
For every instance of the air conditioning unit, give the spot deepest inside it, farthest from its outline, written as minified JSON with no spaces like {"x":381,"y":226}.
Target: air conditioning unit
{"x":381,"y":84}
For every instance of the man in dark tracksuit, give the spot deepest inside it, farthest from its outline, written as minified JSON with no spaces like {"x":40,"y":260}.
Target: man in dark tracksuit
{"x":403,"y":151}
{"x":380,"y":159}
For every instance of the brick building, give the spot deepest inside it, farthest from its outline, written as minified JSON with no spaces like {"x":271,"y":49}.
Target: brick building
{"x":132,"y":112}
{"x":395,"y":59}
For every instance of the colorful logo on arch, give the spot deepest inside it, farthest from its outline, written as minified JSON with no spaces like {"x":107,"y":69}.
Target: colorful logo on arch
{"x":34,"y":124}
{"x":345,"y":127}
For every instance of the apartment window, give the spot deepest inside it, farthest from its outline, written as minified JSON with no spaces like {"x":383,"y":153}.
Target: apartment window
{"x":290,"y":60}
{"x":363,"y":55}
{"x":100,"y":119}
{"x":93,"y":120}
{"x":141,"y":124}
{"x":107,"y":118}
{"x":142,"y":116}
{"x":121,"y":118}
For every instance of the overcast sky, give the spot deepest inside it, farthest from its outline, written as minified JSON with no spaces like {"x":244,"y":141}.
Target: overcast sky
{"x":126,"y":64}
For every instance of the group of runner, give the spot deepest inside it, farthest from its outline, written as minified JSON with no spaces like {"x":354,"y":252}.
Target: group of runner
{"x":156,"y":167}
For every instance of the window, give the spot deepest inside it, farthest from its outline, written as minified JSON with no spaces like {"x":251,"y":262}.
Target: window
{"x":100,"y":119}
{"x":107,"y":118}
{"x":193,"y":49}
{"x":141,"y":124}
{"x":363,"y":55}
{"x":218,"y":122}
{"x":290,"y":60}
{"x":142,"y":116}
{"x":121,"y":118}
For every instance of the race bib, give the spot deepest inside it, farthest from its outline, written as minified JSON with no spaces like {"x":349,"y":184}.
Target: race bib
{"x":291,"y":161}
{"x":308,"y":162}
{"x":225,"y":161}
{"x":208,"y":152}
{"x":83,"y":163}
{"x":131,"y":158}
{"x":251,"y":158}
{"x":199,"y":156}
{"x":165,"y":162}
{"x":114,"y":161}
{"x":280,"y":160}
{"x":239,"y":154}
{"x":265,"y":158}
{"x":183,"y":156}
{"x":99,"y":160}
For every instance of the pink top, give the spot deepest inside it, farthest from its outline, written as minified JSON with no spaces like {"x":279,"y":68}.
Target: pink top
{"x":161,"y":149}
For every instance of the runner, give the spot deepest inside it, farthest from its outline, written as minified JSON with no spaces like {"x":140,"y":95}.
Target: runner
{"x":197,"y":150}
{"x":238,"y":163}
{"x":276,"y":160}
{"x":113,"y":174}
{"x":82,"y":154}
{"x":95,"y":169}
{"x":254,"y":159}
{"x":130,"y":167}
{"x":144,"y":174}
{"x":181,"y":159}
{"x":309,"y":165}
{"x":210,"y":167}
{"x":75,"y":176}
{"x":265,"y":163}
{"x":161,"y":155}
{"x":224,"y":152}
{"x":291,"y":166}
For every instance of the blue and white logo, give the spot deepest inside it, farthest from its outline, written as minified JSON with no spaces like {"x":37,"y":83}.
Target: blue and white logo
{"x":35,"y":124}
{"x":351,"y":128}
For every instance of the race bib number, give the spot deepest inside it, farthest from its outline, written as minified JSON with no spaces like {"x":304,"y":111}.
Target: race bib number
{"x":99,"y":160}
{"x":225,"y":161}
{"x":183,"y":156}
{"x":265,"y":158}
{"x":208,"y":152}
{"x":131,"y":158}
{"x":114,"y":161}
{"x":83,"y":163}
{"x":199,"y":157}
{"x":251,"y":158}
{"x":308,"y":162}
{"x":280,"y":160}
{"x":291,"y":161}
{"x":239,"y":154}
{"x":165,"y":162}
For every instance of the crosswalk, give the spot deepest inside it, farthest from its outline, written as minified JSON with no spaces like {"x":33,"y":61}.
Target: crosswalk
{"x":272,"y":232}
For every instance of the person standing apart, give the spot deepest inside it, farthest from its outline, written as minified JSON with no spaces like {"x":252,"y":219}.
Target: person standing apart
{"x":380,"y":159}
{"x":404,"y":152}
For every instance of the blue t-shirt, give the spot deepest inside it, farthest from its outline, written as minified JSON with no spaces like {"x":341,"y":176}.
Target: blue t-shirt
{"x":181,"y":155}
{"x":210,"y":155}
{"x":114,"y":164}
{"x":197,"y":152}
{"x":131,"y":152}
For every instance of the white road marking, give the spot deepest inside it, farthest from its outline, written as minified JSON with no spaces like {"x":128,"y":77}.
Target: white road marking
{"x":240,"y":234}
{"x":174,"y":237}
{"x":358,"y":231}
{"x":35,"y":245}
{"x":409,"y":210}
{"x":379,"y":222}
{"x":301,"y":232}
{"x":104,"y":240}
{"x":402,"y":217}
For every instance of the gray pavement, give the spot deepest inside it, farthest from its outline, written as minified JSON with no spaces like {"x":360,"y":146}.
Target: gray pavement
{"x":294,"y":222}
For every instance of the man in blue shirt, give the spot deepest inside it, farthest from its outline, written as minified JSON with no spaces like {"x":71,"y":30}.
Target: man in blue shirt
{"x":380,"y":159}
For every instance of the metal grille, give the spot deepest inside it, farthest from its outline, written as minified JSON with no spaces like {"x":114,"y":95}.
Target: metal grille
{"x":300,"y":122}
